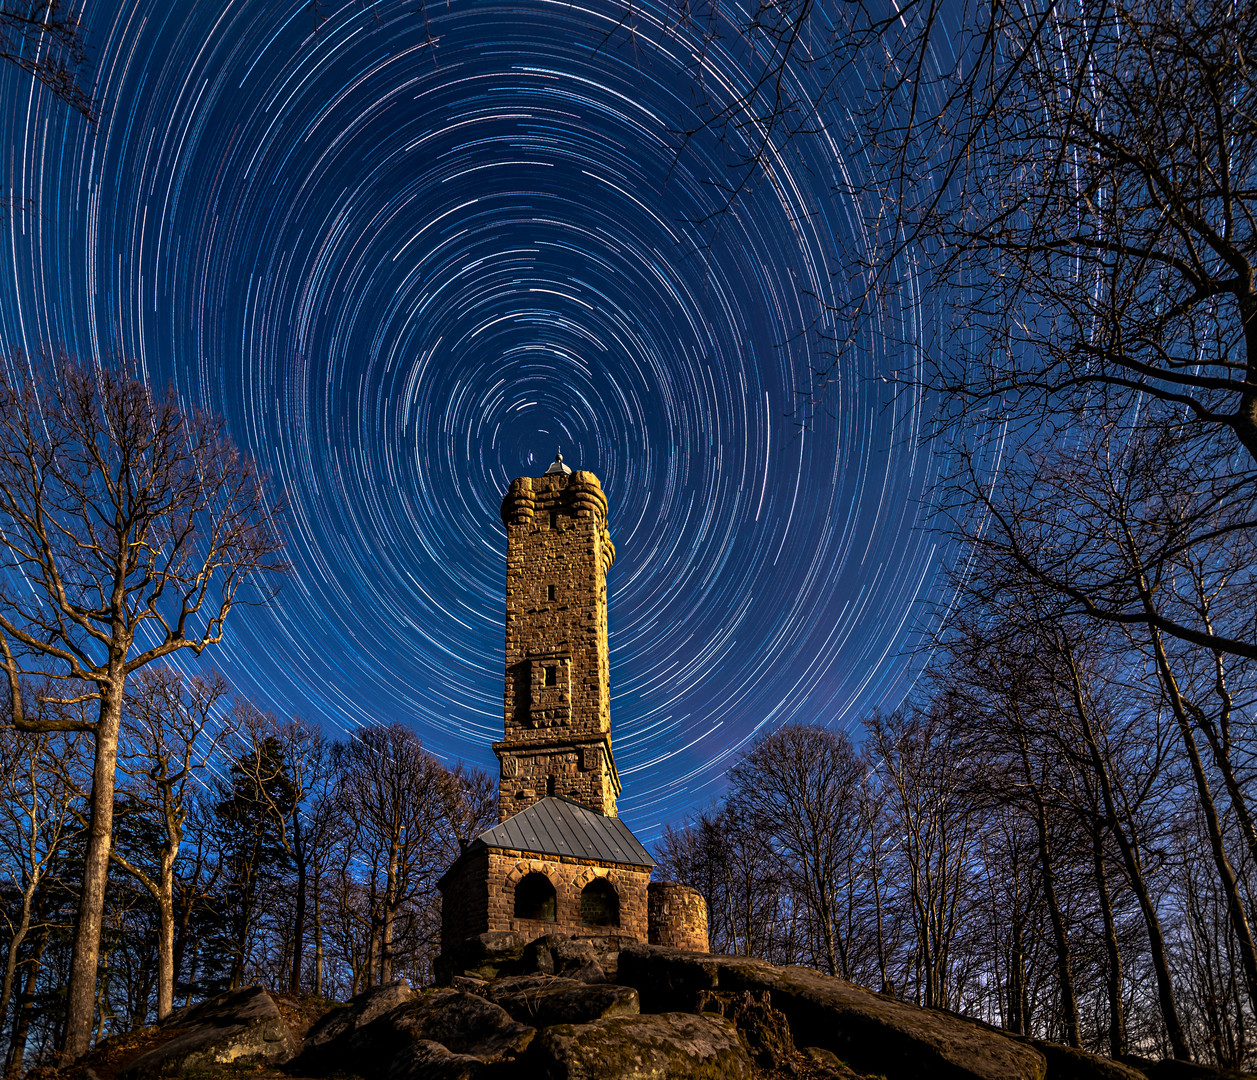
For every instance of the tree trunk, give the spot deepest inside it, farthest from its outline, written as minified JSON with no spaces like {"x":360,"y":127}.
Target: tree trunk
{"x":1113,"y":953}
{"x":15,"y":943}
{"x":877,"y":904}
{"x":386,"y":928}
{"x":1018,"y":988}
{"x":1134,"y":872}
{"x":25,"y":1009}
{"x":81,"y":994}
{"x":1226,"y":875}
{"x":299,"y":922}
{"x":1220,"y":744}
{"x":1064,"y":965}
{"x":318,"y":936}
{"x":166,"y":937}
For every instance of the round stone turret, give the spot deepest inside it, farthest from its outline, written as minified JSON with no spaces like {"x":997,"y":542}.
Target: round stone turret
{"x":676,"y":916}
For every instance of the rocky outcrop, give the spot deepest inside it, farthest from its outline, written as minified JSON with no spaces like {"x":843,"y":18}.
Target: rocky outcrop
{"x":541,"y":1000}
{"x":426,"y":1060}
{"x":485,"y":956}
{"x":672,"y":1014}
{"x":233,"y":1028}
{"x":1066,"y":1063}
{"x":461,"y":1022}
{"x":867,"y":1031}
{"x":326,"y":1041}
{"x":589,"y":958}
{"x":671,"y":1046}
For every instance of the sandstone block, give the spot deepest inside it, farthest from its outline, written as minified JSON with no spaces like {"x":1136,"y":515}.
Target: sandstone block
{"x":541,"y":1000}
{"x":672,"y":1046}
{"x":461,"y":1022}
{"x":326,"y":1043}
{"x":484,"y":956}
{"x":237,"y":1027}
{"x":432,"y":1061}
{"x":1066,"y":1063}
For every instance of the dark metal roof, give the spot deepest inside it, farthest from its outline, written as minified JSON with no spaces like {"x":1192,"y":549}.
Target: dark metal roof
{"x":558,"y":826}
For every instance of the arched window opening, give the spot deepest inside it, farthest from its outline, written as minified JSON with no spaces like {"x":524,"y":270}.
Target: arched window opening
{"x":534,"y":898}
{"x":599,"y":905}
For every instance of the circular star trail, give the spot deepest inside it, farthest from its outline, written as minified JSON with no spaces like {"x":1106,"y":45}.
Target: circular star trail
{"x":407,"y":253}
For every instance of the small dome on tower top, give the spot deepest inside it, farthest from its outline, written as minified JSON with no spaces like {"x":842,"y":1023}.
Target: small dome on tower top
{"x":557,"y":466}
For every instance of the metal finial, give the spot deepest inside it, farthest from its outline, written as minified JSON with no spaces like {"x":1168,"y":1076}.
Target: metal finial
{"x":557,"y":466}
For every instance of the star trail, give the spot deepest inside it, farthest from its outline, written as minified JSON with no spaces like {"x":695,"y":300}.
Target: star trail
{"x":407,"y":253}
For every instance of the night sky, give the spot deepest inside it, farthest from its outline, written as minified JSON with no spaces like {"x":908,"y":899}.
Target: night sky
{"x":407,"y":256}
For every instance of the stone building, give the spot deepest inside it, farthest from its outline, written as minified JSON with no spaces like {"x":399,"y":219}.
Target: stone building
{"x":560,"y":860}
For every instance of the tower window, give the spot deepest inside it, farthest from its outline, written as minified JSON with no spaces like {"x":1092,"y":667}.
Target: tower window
{"x":552,"y":676}
{"x":550,"y":785}
{"x":549,"y":592}
{"x":554,"y":519}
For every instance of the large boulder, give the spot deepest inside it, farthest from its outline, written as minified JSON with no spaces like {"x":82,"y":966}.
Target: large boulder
{"x":671,"y":1046}
{"x":1066,"y":1063}
{"x":432,"y":1061}
{"x":541,"y":1000}
{"x":485,"y":956}
{"x":1170,"y":1069}
{"x":326,"y":1043}
{"x":241,"y":1026}
{"x":830,"y":1063}
{"x":870,"y":1032}
{"x":588,"y":957}
{"x":463,"y":1023}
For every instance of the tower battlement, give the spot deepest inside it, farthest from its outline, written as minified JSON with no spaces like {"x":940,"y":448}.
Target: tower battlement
{"x":556,"y":699}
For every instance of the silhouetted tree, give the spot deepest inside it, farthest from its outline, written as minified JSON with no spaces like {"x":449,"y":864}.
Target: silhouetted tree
{"x":120,"y":512}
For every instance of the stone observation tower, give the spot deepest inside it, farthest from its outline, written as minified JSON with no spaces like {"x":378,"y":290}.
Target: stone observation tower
{"x":559,"y":861}
{"x":558,"y":713}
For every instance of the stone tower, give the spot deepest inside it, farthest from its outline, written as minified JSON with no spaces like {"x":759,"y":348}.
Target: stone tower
{"x":557,"y":703}
{"x":559,"y":861}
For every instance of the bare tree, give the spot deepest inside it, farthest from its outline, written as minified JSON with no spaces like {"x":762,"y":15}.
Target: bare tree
{"x":1073,"y":185}
{"x":800,"y":788}
{"x":45,"y":39}
{"x":129,"y":527}
{"x":409,"y":813}
{"x":749,"y":905}
{"x":937,"y":824}
{"x":173,"y":726}
{"x":36,"y":819}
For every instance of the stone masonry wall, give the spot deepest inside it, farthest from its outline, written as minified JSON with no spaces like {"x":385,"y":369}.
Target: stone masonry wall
{"x":478,"y":895}
{"x":465,"y":900}
{"x":677,"y":916}
{"x":568,"y":876}
{"x":556,"y":700}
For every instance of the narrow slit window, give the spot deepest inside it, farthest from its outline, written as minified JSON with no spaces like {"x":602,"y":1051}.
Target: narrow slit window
{"x":550,"y":785}
{"x":554,"y":519}
{"x":552,"y":676}
{"x":549,"y":592}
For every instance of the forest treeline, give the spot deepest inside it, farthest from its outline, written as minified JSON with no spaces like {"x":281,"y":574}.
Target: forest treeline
{"x":245,"y":848}
{"x":1056,"y":832}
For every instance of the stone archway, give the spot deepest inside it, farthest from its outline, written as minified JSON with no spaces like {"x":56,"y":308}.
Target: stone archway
{"x":599,"y":903}
{"x":535,"y":898}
